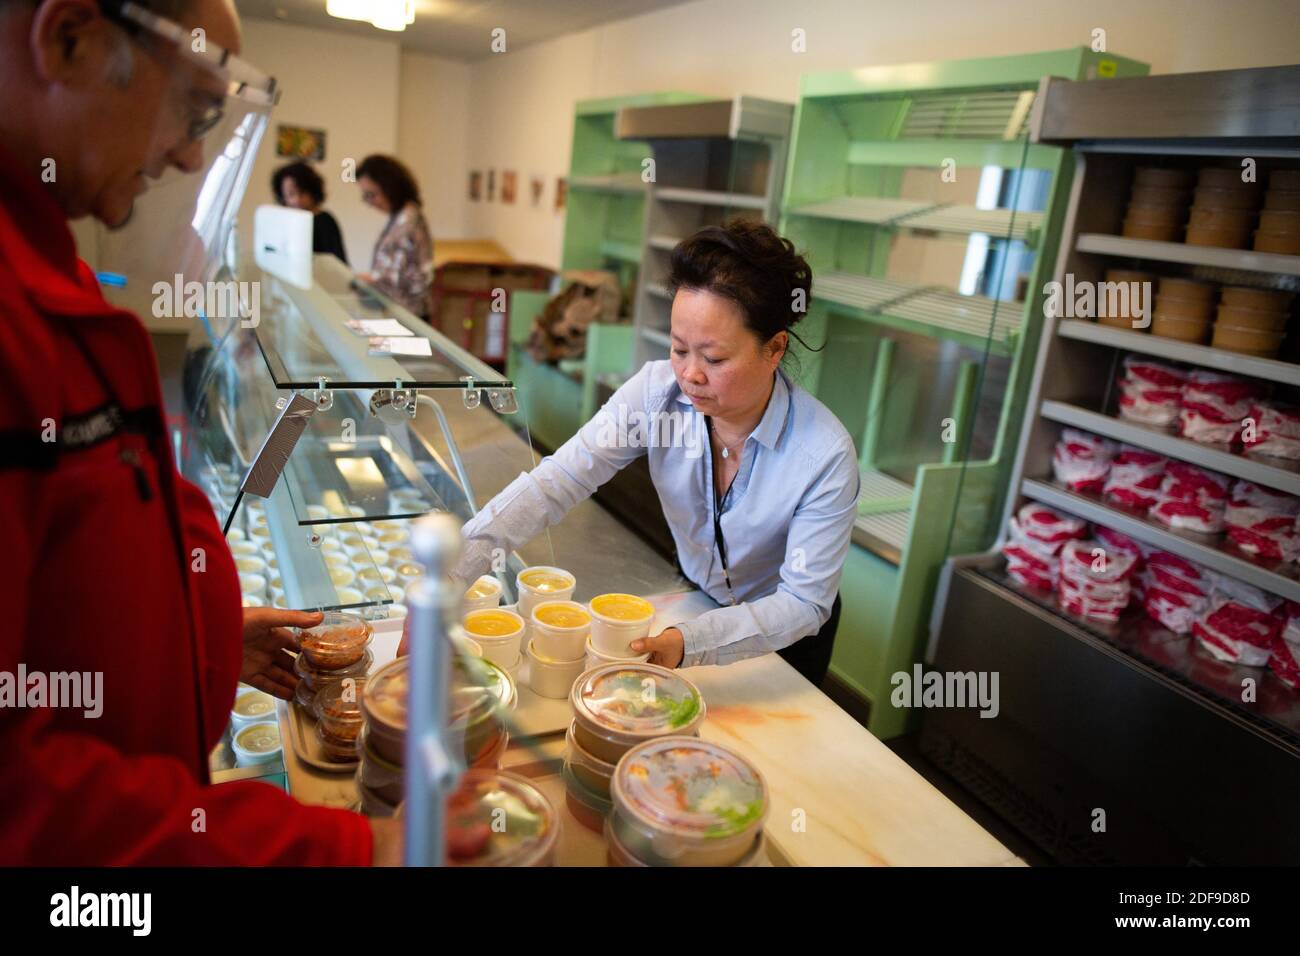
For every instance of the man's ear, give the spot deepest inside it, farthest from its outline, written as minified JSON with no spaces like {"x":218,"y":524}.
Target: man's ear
{"x":69,"y":42}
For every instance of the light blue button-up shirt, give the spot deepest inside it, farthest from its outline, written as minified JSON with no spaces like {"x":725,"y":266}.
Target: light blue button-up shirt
{"x":786,"y":523}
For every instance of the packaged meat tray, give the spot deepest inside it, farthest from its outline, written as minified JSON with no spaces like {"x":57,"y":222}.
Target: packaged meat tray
{"x":1135,"y":477}
{"x":1276,"y":430}
{"x":1237,"y":633}
{"x":1191,"y":499}
{"x":1080,"y":461}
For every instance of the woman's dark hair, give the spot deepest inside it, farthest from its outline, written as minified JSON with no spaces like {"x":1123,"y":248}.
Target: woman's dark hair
{"x":304,"y":177}
{"x":392,"y":176}
{"x":747,"y":262}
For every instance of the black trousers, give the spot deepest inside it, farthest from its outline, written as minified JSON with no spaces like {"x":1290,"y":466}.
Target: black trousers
{"x":811,"y":655}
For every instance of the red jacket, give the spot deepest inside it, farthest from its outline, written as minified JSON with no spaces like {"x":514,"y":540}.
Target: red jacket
{"x":94,"y":576}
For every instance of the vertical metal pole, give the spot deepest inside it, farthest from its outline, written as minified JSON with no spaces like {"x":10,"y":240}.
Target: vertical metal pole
{"x":432,"y":773}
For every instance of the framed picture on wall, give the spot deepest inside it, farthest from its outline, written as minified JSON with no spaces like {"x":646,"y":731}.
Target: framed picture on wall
{"x":299,"y":142}
{"x":509,"y":182}
{"x":475,"y":186}
{"x":537,"y":186}
{"x":492,"y":185}
{"x":561,"y":192}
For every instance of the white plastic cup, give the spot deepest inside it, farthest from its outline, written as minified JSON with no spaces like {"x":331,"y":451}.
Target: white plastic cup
{"x":253,"y":584}
{"x":256,"y":744}
{"x":244,"y":549}
{"x":250,"y":564}
{"x":502,"y":649}
{"x":251,"y":707}
{"x":530,"y":597}
{"x":595,"y":658}
{"x":613,"y":636}
{"x":551,"y":678}
{"x":558,"y":643}
{"x":485,"y":583}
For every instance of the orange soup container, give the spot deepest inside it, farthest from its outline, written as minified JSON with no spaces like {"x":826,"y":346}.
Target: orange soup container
{"x":617,"y":620}
{"x":541,"y":583}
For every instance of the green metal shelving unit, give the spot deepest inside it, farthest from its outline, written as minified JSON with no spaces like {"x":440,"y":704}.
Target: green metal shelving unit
{"x":931,"y":223}
{"x":604,"y":216}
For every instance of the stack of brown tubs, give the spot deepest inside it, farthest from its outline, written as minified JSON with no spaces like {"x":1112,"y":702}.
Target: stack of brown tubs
{"x":1184,"y":310}
{"x":1251,"y":321}
{"x":1158,"y":204}
{"x":1223,"y":210}
{"x":1279,"y":222}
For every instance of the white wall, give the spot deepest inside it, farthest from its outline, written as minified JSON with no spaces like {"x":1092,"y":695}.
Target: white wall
{"x":345,"y":85}
{"x":432,"y":126}
{"x":523,"y":102}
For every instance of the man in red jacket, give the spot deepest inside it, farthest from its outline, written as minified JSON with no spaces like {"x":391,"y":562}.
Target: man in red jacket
{"x":98,"y":528}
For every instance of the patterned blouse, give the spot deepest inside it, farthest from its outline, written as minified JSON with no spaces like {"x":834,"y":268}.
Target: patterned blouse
{"x":403,"y":262}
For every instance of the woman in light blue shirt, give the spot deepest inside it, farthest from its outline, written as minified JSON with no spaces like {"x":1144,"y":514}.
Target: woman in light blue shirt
{"x":758,"y":480}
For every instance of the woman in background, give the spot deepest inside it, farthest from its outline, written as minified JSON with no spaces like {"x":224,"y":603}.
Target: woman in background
{"x":299,"y":186}
{"x":402,"y":267}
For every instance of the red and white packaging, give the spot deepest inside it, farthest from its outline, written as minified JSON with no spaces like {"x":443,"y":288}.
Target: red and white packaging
{"x":1034,"y":541}
{"x":1291,"y":614}
{"x":1191,"y":499}
{"x":1080,"y":461}
{"x":1247,"y":595}
{"x":1237,"y":633}
{"x":1094,"y":580}
{"x":1112,"y":540}
{"x":1135,"y":477}
{"x":1214,"y":406}
{"x":1150,"y":392}
{"x":1275,"y":430}
{"x":1187,"y":570}
{"x":1174,"y":592}
{"x":1284,"y":662}
{"x":1262,"y":522}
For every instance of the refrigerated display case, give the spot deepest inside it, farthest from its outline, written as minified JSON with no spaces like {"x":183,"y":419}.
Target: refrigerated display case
{"x":1149,"y":738}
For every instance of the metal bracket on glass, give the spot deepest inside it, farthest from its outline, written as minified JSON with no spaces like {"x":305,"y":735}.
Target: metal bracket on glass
{"x":472,"y":396}
{"x":321,"y":395}
{"x":503,"y":400}
{"x":392,"y":405}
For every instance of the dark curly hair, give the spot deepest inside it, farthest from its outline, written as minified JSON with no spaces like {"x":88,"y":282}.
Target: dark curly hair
{"x":304,"y":177}
{"x":747,"y":262}
{"x":391,"y":176}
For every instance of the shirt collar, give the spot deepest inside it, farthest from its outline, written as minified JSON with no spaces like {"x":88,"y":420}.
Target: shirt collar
{"x":772,"y":424}
{"x":37,"y":243}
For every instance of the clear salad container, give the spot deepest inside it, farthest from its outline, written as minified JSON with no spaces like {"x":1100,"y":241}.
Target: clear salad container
{"x":682,"y":801}
{"x":480,"y":692}
{"x":338,"y":718}
{"x":336,"y":642}
{"x":616,"y":854}
{"x":316,"y":678}
{"x":497,"y":818}
{"x":594,"y":773}
{"x":617,"y":706}
{"x":587,"y":806}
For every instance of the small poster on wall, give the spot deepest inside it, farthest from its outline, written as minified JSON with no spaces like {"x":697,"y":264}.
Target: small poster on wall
{"x":561,"y":192}
{"x":475,"y":186}
{"x":299,"y":142}
{"x":492,"y":185}
{"x":508,"y":184}
{"x":537,"y":187}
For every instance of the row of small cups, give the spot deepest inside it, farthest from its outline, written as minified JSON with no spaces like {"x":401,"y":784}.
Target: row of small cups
{"x":566,"y":637}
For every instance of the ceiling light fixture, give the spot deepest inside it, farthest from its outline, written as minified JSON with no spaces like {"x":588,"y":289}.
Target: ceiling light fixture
{"x":394,"y":15}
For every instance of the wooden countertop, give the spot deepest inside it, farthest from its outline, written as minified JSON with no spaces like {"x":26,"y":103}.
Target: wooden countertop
{"x":839,"y":796}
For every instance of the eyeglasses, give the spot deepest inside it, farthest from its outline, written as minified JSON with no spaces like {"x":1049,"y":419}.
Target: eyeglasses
{"x":234,"y":77}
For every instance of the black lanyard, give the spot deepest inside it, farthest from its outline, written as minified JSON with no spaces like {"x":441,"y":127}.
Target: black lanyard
{"x":718,"y":502}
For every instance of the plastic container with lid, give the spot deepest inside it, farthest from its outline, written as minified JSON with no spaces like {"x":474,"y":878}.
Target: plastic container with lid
{"x":318,"y":677}
{"x":542,"y":583}
{"x":497,"y":818}
{"x":339,"y":640}
{"x":560,"y":629}
{"x":617,"y":706}
{"x":482,"y":594}
{"x":1226,"y":197}
{"x":595,"y":658}
{"x":682,"y":801}
{"x":1186,"y":290}
{"x":480,"y":691}
{"x":1266,"y":300}
{"x":1240,"y":220}
{"x":1186,"y":310}
{"x":1219,"y":238}
{"x":1145,"y":195}
{"x":1182,"y":329}
{"x":618,"y":855}
{"x":1164,"y":176}
{"x":617,"y":620}
{"x":380,"y":574}
{"x":1223,"y":177}
{"x":254,"y":584}
{"x":498,"y":632}
{"x":588,"y":807}
{"x":334,"y":747}
{"x":550,"y":678}
{"x":1162,"y":213}
{"x":251,"y":706}
{"x":594,"y":773}
{"x":1279,"y":220}
{"x":1282,"y":199}
{"x":338,"y":708}
{"x":1160,"y":232}
{"x":256,"y":744}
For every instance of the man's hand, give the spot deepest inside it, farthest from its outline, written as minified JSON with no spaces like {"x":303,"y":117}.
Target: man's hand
{"x":267,"y":637}
{"x":667,"y":648}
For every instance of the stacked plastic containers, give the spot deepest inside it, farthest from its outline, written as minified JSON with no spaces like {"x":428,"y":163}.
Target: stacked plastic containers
{"x":1191,"y":499}
{"x":497,"y":818}
{"x":1150,"y":392}
{"x":333,"y":651}
{"x":1241,"y":624}
{"x":558,"y":628}
{"x":1157,"y":205}
{"x":1279,"y":221}
{"x":1094,"y":581}
{"x":1184,"y":309}
{"x":1174,"y":591}
{"x":616,"y":621}
{"x":682,"y":801}
{"x":1214,"y":406}
{"x":615,"y":708}
{"x":481,"y":693}
{"x":1081,"y":461}
{"x":1251,"y":321}
{"x":1262,"y":522}
{"x":1135,"y":477}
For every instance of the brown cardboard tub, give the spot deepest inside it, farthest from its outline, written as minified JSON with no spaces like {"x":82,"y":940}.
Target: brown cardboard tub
{"x":1243,"y":196}
{"x":1284,"y":243}
{"x":1160,"y":195}
{"x":1221,"y":238}
{"x":1185,"y":330}
{"x":1135,"y":229}
{"x":1283,"y":199}
{"x":1263,"y":344}
{"x":1183,"y":310}
{"x":1186,"y":290}
{"x":1165,"y":177}
{"x":1284,"y":179}
{"x":1244,"y":317}
{"x":1266,"y":300}
{"x":1208,"y":217}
